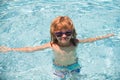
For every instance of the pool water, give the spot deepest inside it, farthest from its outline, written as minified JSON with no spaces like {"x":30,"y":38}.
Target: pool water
{"x":27,"y":23}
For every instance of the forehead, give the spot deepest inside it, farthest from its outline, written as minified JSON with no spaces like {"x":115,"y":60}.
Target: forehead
{"x":62,"y":27}
{"x":62,"y":30}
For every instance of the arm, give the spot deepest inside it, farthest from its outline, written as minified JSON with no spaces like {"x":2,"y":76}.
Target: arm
{"x":96,"y":38}
{"x":25,"y":49}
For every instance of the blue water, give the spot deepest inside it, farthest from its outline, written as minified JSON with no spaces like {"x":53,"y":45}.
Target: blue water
{"x":27,"y":23}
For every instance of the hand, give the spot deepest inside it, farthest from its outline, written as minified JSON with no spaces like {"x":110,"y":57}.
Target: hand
{"x":4,"y":49}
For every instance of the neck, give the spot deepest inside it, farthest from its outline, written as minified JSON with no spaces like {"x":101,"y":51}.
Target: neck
{"x":64,"y":44}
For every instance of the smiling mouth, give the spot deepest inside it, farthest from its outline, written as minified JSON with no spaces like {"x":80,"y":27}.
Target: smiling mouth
{"x":64,"y":38}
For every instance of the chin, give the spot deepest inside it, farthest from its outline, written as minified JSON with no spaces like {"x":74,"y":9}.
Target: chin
{"x":64,"y":41}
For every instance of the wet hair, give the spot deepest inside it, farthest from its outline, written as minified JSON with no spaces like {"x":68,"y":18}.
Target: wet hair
{"x":59,"y":23}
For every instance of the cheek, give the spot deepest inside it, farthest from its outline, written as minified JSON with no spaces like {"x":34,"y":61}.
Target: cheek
{"x":58,"y":38}
{"x":69,"y":37}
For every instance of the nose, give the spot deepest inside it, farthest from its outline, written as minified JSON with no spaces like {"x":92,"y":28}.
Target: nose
{"x":64,"y":35}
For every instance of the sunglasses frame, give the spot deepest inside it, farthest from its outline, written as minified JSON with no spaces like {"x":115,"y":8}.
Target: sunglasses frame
{"x":60,"y":33}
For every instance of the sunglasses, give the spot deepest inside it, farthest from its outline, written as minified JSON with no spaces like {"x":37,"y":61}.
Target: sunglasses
{"x":67,"y":33}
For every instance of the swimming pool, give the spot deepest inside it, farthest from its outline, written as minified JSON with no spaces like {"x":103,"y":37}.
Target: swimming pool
{"x":27,"y":22}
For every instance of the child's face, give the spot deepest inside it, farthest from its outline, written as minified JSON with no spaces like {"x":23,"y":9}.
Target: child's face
{"x":63,"y":36}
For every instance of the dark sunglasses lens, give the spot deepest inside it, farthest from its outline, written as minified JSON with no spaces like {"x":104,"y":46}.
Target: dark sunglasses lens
{"x":58,"y":34}
{"x":68,"y":33}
